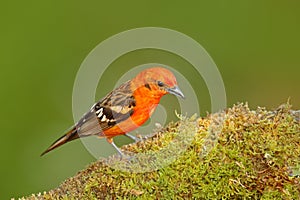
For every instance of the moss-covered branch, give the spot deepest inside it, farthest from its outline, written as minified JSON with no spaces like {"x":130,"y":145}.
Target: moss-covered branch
{"x":237,"y":153}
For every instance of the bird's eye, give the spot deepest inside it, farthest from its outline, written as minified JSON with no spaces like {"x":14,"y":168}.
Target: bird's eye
{"x":160,"y":84}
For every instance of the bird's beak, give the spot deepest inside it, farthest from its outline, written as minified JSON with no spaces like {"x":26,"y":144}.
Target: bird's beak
{"x":176,"y":91}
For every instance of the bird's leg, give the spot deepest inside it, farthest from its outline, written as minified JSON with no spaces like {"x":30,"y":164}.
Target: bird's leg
{"x":110,"y":141}
{"x":132,"y":137}
{"x":136,"y":139}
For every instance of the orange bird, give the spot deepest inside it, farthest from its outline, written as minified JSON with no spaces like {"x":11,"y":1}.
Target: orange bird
{"x":125,"y":108}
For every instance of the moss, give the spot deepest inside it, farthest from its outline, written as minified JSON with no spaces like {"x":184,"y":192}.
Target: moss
{"x":238,"y":154}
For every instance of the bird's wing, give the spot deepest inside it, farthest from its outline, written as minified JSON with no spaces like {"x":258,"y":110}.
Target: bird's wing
{"x":115,"y":107}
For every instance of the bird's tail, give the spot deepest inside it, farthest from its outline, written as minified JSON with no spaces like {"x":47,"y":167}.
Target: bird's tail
{"x":69,"y":136}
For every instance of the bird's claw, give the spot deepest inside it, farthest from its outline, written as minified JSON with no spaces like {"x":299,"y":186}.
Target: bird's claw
{"x":125,"y":157}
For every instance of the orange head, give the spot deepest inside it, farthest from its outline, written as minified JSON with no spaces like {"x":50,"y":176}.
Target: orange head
{"x":159,"y":81}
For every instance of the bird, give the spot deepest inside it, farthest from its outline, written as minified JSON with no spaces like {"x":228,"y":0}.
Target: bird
{"x":124,"y":109}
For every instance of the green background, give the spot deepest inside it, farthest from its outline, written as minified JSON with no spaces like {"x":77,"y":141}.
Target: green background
{"x":255,"y":45}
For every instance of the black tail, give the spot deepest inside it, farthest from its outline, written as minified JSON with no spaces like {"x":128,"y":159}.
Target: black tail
{"x":71,"y":135}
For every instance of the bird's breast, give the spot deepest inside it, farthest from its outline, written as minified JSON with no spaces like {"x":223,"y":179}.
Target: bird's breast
{"x":145,"y":104}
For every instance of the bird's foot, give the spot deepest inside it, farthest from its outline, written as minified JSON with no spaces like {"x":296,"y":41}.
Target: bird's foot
{"x":128,"y":156}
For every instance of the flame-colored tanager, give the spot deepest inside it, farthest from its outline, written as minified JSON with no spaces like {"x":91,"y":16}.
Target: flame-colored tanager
{"x":125,"y":108}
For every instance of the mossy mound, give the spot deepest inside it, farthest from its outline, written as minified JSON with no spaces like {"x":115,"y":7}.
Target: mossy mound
{"x":235,"y":154}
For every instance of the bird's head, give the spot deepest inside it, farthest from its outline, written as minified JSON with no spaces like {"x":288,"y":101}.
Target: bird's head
{"x":159,"y":81}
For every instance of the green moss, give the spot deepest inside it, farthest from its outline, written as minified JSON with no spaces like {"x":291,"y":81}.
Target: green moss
{"x":236,"y":154}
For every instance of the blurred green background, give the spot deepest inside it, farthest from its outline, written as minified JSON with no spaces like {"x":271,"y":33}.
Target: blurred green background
{"x":255,"y":44}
